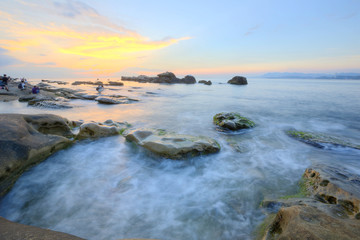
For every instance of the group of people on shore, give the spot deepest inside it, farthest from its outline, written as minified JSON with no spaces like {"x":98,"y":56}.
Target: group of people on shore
{"x":22,"y":85}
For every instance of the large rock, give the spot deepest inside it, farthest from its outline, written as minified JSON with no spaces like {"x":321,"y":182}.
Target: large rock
{"x":330,"y":210}
{"x":167,"y":77}
{"x":321,"y":140}
{"x":238,"y":80}
{"x":232,"y":121}
{"x":188,"y":79}
{"x":171,"y":145}
{"x":27,"y":140}
{"x":97,"y":130}
{"x":15,"y":231}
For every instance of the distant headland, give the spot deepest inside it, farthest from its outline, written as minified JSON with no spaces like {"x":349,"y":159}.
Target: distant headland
{"x":354,"y":76}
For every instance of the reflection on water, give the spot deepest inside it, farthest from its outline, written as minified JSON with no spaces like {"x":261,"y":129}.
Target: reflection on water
{"x":110,"y":189}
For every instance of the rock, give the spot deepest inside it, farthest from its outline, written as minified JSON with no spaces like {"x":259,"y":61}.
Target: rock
{"x":320,"y":140}
{"x":188,"y":79}
{"x":113,"y":83}
{"x":52,"y":81}
{"x":238,"y":80}
{"x":15,"y":231}
{"x":171,"y":145}
{"x":27,"y":140}
{"x":232,"y":121}
{"x":49,"y":102}
{"x":112,"y":100}
{"x":96,"y":130}
{"x":330,"y":211}
{"x":205,"y":82}
{"x":27,"y":98}
{"x":87,"y":83}
{"x":332,"y":185}
{"x":307,"y":222}
{"x":166,"y":77}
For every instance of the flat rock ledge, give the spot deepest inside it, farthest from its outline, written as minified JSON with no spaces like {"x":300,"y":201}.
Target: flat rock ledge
{"x":327,"y":208}
{"x":172,"y":145}
{"x":232,"y":121}
{"x":320,"y":140}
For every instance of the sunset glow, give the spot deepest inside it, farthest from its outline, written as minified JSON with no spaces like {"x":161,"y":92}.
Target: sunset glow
{"x":87,"y":38}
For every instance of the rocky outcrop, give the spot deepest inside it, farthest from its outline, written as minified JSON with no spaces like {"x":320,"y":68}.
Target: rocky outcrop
{"x":49,"y":102}
{"x":329,"y":211}
{"x":114,"y":83}
{"x":166,"y":77}
{"x":87,"y":83}
{"x":238,"y":80}
{"x":232,"y":121}
{"x":15,"y":231}
{"x":171,"y":145}
{"x":205,"y":82}
{"x":321,"y":140}
{"x":53,"y":81}
{"x":27,"y":140}
{"x":114,"y":100}
{"x":97,"y":130}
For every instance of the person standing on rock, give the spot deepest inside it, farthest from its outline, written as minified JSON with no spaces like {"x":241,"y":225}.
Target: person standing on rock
{"x":4,"y":82}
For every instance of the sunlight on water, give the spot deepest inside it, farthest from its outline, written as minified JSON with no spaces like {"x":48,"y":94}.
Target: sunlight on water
{"x":111,"y":189}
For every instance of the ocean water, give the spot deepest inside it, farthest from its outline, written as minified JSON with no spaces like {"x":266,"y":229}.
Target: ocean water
{"x":111,"y":189}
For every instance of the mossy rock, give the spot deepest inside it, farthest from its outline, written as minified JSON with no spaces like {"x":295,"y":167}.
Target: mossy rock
{"x":232,"y":121}
{"x":320,"y":140}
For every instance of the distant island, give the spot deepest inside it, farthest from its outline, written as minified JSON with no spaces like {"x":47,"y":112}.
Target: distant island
{"x":353,"y":76}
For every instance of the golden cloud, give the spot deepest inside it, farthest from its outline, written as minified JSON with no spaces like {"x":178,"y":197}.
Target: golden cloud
{"x":98,"y":50}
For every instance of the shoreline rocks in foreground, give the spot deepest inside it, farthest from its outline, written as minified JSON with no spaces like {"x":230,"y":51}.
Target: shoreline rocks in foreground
{"x":327,"y":208}
{"x":232,"y":121}
{"x":171,"y":145}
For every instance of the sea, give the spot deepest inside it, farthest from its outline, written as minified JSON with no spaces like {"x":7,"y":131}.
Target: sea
{"x":112,"y":189}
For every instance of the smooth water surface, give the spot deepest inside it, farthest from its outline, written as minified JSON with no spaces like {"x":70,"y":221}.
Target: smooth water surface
{"x":111,"y":189}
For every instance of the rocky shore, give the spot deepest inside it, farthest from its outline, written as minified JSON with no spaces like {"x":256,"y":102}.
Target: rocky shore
{"x":327,"y":205}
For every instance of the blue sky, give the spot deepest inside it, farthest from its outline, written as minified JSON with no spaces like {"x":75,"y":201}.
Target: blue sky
{"x":67,"y":38}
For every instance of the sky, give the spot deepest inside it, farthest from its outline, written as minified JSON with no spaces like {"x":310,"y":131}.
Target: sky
{"x":113,"y":38}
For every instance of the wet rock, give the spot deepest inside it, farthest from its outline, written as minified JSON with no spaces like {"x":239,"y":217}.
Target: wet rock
{"x":232,"y":121}
{"x":49,"y":102}
{"x":27,"y":140}
{"x":238,"y":80}
{"x":330,"y":211}
{"x":97,"y":130}
{"x":53,"y":81}
{"x":171,"y":145}
{"x":112,"y":100}
{"x":15,"y":231}
{"x":321,"y":140}
{"x":307,"y":222}
{"x":205,"y":82}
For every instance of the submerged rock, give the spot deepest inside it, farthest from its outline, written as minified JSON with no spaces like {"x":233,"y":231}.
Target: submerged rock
{"x":238,"y":80}
{"x":171,"y":145}
{"x":27,"y":140}
{"x":330,"y":210}
{"x":113,"y":83}
{"x":49,"y":102}
{"x":320,"y":140}
{"x":232,"y":121}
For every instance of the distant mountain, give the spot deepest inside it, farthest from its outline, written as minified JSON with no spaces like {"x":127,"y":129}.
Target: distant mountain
{"x":312,"y":75}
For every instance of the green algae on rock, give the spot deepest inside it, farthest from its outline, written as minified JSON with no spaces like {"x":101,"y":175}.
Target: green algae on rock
{"x":320,"y":140}
{"x":232,"y":121}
